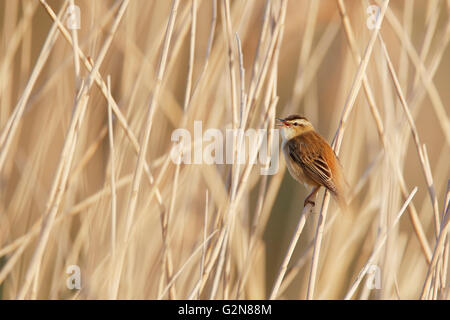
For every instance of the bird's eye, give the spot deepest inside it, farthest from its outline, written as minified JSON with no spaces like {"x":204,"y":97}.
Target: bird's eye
{"x":295,"y":123}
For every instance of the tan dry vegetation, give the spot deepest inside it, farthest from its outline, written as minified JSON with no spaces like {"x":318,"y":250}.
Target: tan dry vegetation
{"x":86,"y":118}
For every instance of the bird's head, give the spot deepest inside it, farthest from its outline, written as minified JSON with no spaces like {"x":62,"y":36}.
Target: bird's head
{"x":294,"y":126}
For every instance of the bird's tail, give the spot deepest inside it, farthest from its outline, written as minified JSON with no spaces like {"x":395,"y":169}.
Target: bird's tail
{"x":342,"y":195}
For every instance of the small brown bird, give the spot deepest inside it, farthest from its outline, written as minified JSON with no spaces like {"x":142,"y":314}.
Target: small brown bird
{"x":310,"y":159}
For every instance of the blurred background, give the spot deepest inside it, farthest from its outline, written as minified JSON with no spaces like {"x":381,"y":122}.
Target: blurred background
{"x":77,"y":189}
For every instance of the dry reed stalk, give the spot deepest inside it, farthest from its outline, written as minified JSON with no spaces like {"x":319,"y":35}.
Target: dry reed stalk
{"x":229,"y":38}
{"x":377,"y":249}
{"x":420,"y":149}
{"x":202,"y":264}
{"x":132,"y":202}
{"x":441,"y":243}
{"x":10,"y":128}
{"x":113,"y":174}
{"x":13,"y":45}
{"x":317,"y":56}
{"x":76,"y":56}
{"x":102,"y":85}
{"x":431,"y":23}
{"x":191,"y":54}
{"x":51,"y":81}
{"x":167,"y":271}
{"x":166,"y":158}
{"x":257,"y":85}
{"x":235,"y":191}
{"x":418,"y":228}
{"x":305,"y":51}
{"x":76,"y":209}
{"x":426,"y":77}
{"x":272,"y":88}
{"x":209,"y":45}
{"x":408,"y":12}
{"x":337,"y":144}
{"x":64,"y":165}
{"x":298,"y":230}
{"x":178,"y":273}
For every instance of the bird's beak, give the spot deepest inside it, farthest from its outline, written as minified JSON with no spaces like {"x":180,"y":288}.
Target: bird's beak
{"x":282,"y":124}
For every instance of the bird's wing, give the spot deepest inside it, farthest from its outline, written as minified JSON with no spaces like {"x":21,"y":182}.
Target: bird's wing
{"x":312,"y":161}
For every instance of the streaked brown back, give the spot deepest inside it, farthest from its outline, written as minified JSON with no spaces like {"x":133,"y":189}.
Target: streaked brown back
{"x":317,"y":159}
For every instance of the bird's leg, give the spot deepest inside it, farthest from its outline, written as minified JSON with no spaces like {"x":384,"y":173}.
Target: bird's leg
{"x":311,"y":196}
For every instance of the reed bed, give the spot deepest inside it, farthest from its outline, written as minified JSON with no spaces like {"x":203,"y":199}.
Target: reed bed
{"x":89,"y":183}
